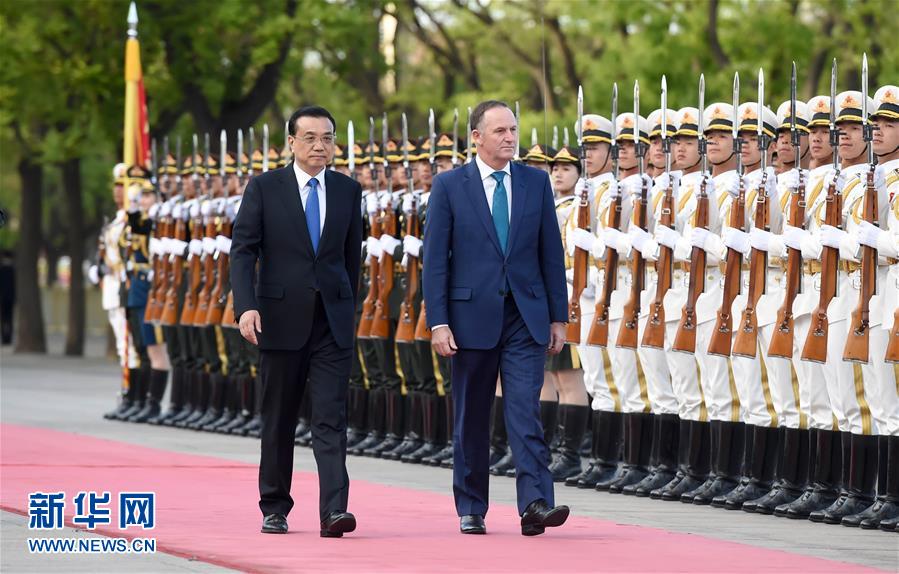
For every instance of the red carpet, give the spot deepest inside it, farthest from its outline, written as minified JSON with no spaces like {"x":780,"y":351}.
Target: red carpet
{"x":206,"y":509}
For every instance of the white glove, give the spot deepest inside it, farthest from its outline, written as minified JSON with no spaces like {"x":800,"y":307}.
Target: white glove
{"x":598,"y":249}
{"x":631,"y":185}
{"x":642,"y":241}
{"x":412,"y":246}
{"x":177,"y":247}
{"x":374,"y":247}
{"x":754,"y":181}
{"x":829,"y":178}
{"x":384,"y":202}
{"x":178,"y":211}
{"x":667,"y":236}
{"x":737,"y":240}
{"x":206,"y":208}
{"x":155,"y":246}
{"x":616,"y":240}
{"x":699,"y":237}
{"x":209,"y":246}
{"x":371,"y":203}
{"x":731,"y":184}
{"x":196,"y":247}
{"x":93,"y":273}
{"x":389,"y":244}
{"x":582,"y":238}
{"x":762,"y":240}
{"x":831,"y":236}
{"x":195,"y":209}
{"x":165,"y":245}
{"x":166,"y":209}
{"x":236,"y":207}
{"x":407,"y":203}
{"x":790,"y":179}
{"x":223,"y":244}
{"x":868,"y":234}
{"x":153,"y":211}
{"x":794,"y":236}
{"x":662,"y":182}
{"x":133,"y":201}
{"x":150,"y":275}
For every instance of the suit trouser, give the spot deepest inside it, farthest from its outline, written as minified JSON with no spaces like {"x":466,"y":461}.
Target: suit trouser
{"x":658,"y":377}
{"x":519,"y":359}
{"x":721,"y":398}
{"x":814,"y":398}
{"x":325,"y":367}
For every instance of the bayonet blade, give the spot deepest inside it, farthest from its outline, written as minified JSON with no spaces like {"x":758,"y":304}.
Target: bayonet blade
{"x":556,"y":137}
{"x":251,"y":146}
{"x":736,"y":106}
{"x":701,"y":129}
{"x":615,"y":114}
{"x":664,"y":108}
{"x":517,"y":132}
{"x":761,"y":103}
{"x":636,"y":112}
{"x":534,"y":139}
{"x":456,"y":135}
{"x":405,"y":139}
{"x":432,"y":136}
{"x":239,"y":153}
{"x":468,"y":137}
{"x":351,"y":148}
{"x":264,"y":148}
{"x":793,"y":103}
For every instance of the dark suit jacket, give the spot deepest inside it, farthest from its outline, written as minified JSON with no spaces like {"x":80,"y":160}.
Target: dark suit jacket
{"x":465,"y":271}
{"x":270,"y":229}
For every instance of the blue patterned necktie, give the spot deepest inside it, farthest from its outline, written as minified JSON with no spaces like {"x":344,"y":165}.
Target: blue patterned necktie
{"x":501,"y":209}
{"x":312,"y":215}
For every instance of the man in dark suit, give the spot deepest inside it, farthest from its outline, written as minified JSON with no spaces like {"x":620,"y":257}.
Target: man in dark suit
{"x":302,"y":225}
{"x":494,"y":286}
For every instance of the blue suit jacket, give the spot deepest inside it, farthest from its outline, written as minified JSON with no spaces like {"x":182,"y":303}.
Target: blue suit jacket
{"x":466,"y":273}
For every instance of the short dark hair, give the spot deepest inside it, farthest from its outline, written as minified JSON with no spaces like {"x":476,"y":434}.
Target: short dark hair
{"x":312,"y":112}
{"x":477,"y":114}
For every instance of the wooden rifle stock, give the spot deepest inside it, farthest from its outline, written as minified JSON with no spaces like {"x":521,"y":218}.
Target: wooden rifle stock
{"x":217,"y":298}
{"x":722,"y":336}
{"x":194,"y":278}
{"x":422,"y":333}
{"x":599,"y":331}
{"x":169,"y":316}
{"x":208,"y":280}
{"x":380,"y":326}
{"x":782,"y":339}
{"x":368,"y":305}
{"x":405,"y":331}
{"x":856,"y":349}
{"x":892,"y":354}
{"x":654,"y":333}
{"x":581,"y":260}
{"x":685,"y":338}
{"x":747,"y":337}
{"x":627,"y":334}
{"x":156,"y":297}
{"x":815,"y":348}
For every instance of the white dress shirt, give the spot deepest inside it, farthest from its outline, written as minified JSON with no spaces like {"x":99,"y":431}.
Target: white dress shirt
{"x":490,"y":183}
{"x":303,"y":182}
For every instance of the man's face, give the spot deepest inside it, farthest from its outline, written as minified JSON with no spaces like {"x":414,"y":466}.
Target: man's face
{"x":118,"y":194}
{"x":496,"y":136}
{"x":785,"y":146}
{"x":422,"y":169}
{"x":344,"y":169}
{"x":749,"y":149}
{"x":313,"y":143}
{"x":444,"y":164}
{"x":565,"y":177}
{"x":627,"y":156}
{"x":852,"y":144}
{"x":146,"y":200}
{"x":189,"y":187}
{"x":541,"y":165}
{"x":686,"y":152}
{"x":365,"y":176}
{"x":596,"y":157}
{"x":217,"y":188}
{"x":819,"y":143}
{"x":656,"y":153}
{"x":232,"y":184}
{"x":886,"y":135}
{"x":720,"y":146}
{"x":398,"y":176}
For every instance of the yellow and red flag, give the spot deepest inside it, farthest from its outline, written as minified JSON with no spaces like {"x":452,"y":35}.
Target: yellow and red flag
{"x":137,"y":129}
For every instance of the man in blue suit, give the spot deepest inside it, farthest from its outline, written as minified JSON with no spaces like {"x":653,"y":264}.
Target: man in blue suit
{"x":494,"y":287}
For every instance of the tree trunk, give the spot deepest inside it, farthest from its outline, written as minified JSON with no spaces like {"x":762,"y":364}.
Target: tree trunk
{"x":71,"y":181}
{"x":31,"y":335}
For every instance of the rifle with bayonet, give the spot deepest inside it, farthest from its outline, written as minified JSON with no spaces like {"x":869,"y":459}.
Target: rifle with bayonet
{"x":856,"y":349}
{"x":169,"y":314}
{"x":654,"y":332}
{"x":746,"y":340}
{"x":368,"y":304}
{"x":581,"y":257}
{"x":627,"y":334}
{"x":195,"y":272}
{"x":217,"y":298}
{"x":685,"y":338}
{"x":599,"y":331}
{"x":405,"y":331}
{"x":722,"y":336}
{"x":422,"y":333}
{"x":228,"y":319}
{"x":380,"y":326}
{"x":209,"y":233}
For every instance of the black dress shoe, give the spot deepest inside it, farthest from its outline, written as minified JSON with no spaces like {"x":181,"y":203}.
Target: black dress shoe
{"x":274,"y":524}
{"x":472,"y":524}
{"x":538,"y":516}
{"x":337,"y":523}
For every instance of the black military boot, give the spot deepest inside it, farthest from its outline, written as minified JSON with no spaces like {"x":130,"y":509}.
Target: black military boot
{"x":215,"y":404}
{"x":244,"y":387}
{"x":761,"y":453}
{"x":681,"y":458}
{"x":444,"y":458}
{"x":549,"y":419}
{"x":730,"y":463}
{"x":890,"y":524}
{"x":124,"y":401}
{"x":717,"y":431}
{"x":176,"y":398}
{"x":395,"y":425}
{"x":698,"y":457}
{"x":638,"y":437}
{"x":230,"y":404}
{"x":609,"y":462}
{"x":886,"y":505}
{"x":303,"y":433}
{"x":592,"y":432}
{"x":500,"y":453}
{"x":413,"y":417}
{"x":356,"y":420}
{"x":573,"y":424}
{"x":253,"y":427}
{"x":139,"y":384}
{"x":824,"y":478}
{"x":665,"y":439}
{"x":189,"y":380}
{"x":844,"y":439}
{"x":792,"y":473}
{"x":860,"y":487}
{"x":201,"y":400}
{"x":376,"y":420}
{"x":152,"y":404}
{"x":431,"y":405}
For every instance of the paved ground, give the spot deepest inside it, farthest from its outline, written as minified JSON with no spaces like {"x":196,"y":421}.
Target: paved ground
{"x":70,"y":395}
